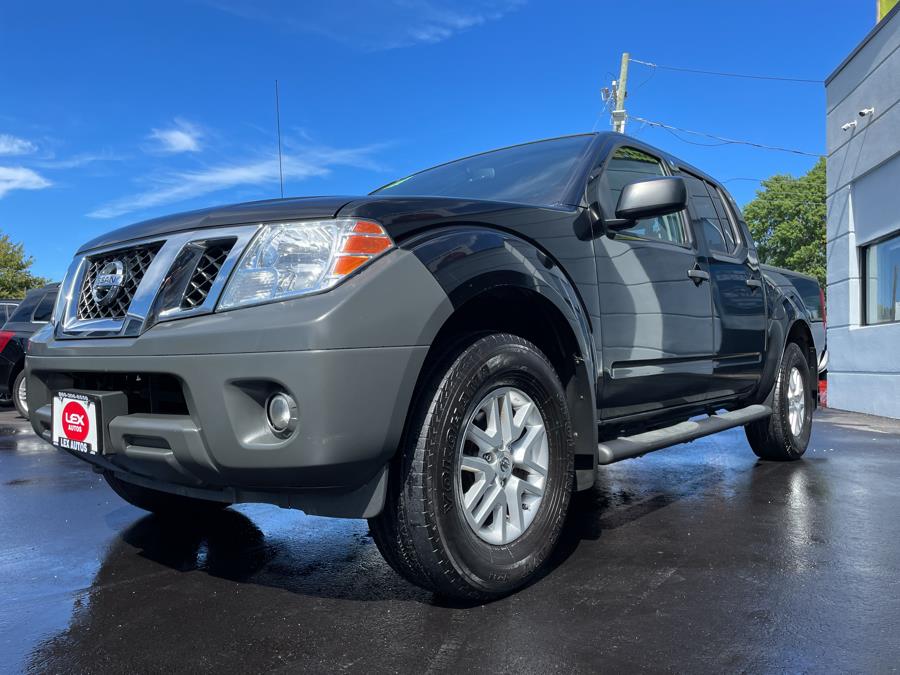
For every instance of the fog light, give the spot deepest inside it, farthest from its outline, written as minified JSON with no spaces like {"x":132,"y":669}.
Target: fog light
{"x":281,"y":411}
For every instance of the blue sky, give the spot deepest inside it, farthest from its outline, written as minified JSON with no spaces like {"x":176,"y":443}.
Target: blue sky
{"x":113,"y":112}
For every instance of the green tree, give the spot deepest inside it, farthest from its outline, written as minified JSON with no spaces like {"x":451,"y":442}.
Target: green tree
{"x":15,"y":277}
{"x":787,"y":220}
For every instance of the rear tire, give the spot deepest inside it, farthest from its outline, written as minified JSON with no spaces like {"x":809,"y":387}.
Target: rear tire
{"x":425,"y":532}
{"x":785,"y":434}
{"x":19,"y":394}
{"x":162,"y":503}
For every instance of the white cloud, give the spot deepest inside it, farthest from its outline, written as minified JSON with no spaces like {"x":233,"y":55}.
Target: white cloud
{"x":184,"y":185}
{"x":13,"y":145}
{"x":389,"y":24}
{"x":181,"y":137}
{"x":20,"y":178}
{"x":77,"y":161}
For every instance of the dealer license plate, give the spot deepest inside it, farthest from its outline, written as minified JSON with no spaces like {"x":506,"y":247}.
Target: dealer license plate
{"x":76,"y":422}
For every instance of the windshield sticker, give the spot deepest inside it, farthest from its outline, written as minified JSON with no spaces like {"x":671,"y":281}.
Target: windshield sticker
{"x":396,"y":183}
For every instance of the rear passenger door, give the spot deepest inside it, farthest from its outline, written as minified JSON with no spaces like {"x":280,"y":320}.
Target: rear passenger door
{"x":739,"y":315}
{"x":656,"y":318}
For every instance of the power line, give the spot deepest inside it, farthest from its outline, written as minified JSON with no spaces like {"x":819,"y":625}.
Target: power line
{"x":724,"y":141}
{"x":685,"y":140}
{"x":723,"y":74}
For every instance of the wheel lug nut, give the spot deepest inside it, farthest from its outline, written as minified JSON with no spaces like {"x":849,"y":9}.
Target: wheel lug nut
{"x":488,"y":457}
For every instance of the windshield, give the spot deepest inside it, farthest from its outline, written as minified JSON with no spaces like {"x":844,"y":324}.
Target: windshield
{"x":535,"y":173}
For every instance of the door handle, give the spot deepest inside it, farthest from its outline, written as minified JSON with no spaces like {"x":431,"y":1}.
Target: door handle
{"x":698,"y":275}
{"x":754,"y":283}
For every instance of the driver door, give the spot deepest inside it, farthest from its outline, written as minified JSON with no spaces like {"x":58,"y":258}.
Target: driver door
{"x":656,"y":318}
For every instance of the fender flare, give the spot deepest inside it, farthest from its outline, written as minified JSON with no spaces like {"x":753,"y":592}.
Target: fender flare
{"x":786,"y":317}
{"x":471,"y":261}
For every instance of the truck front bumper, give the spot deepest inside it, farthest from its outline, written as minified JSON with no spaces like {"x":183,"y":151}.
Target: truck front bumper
{"x":351,"y":407}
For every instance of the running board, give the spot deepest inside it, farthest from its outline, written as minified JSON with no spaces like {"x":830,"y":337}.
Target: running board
{"x":626,"y":447}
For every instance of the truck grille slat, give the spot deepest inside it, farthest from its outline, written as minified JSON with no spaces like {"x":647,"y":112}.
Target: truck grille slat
{"x":206,"y":272}
{"x":135,"y":261}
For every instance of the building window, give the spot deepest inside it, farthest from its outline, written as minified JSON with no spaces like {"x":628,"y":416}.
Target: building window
{"x":881,"y":293}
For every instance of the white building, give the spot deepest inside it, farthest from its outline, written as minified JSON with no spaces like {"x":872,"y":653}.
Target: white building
{"x":863,"y":193}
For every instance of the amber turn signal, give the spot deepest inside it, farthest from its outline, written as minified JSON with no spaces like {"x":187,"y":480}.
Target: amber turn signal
{"x":365,"y":241}
{"x":365,"y":245}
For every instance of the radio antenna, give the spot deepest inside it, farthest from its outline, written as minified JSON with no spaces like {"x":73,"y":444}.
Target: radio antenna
{"x":278,"y":131}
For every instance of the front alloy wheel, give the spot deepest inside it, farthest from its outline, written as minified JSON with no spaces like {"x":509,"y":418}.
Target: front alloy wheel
{"x":478,"y":495}
{"x":503,"y":466}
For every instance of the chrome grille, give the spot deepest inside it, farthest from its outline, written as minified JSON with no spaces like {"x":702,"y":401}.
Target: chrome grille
{"x":160,"y":281}
{"x":135,"y":262}
{"x":205,"y":273}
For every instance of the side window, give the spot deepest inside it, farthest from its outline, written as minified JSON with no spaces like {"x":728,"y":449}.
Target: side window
{"x":726,"y":218}
{"x":712,"y":216}
{"x":24,"y":310}
{"x":44,"y":308}
{"x":629,"y":165}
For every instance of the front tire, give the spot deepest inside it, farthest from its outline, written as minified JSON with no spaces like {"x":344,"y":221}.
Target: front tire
{"x":479,"y":493}
{"x":785,"y":434}
{"x":162,"y":503}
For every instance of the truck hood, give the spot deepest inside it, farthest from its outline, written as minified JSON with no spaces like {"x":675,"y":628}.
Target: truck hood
{"x":217,"y":216}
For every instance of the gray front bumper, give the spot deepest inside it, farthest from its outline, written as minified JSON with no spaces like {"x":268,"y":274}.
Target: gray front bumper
{"x":352,"y":405}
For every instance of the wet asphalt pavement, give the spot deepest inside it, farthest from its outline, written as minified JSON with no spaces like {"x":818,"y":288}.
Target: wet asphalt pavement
{"x":697,"y":558}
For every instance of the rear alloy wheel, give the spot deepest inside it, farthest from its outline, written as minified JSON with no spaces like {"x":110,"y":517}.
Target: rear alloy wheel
{"x":785,"y":434}
{"x":796,"y":402}
{"x":20,"y":394}
{"x":478,"y":495}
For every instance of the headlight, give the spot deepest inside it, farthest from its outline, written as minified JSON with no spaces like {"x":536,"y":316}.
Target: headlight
{"x":285,"y":260}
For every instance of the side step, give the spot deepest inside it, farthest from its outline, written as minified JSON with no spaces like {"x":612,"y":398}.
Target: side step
{"x":626,"y":447}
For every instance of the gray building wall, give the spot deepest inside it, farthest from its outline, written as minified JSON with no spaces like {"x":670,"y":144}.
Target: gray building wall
{"x":863,"y":204}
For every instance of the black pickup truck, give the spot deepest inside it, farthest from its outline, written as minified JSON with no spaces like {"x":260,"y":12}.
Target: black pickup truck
{"x":450,"y":356}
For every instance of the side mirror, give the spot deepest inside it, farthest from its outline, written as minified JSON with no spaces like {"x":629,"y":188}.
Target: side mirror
{"x":648,"y":199}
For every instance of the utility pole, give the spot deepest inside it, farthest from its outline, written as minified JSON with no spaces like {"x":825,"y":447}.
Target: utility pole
{"x":618,"y":114}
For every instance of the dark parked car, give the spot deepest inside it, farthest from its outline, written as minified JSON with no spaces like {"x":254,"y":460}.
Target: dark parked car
{"x":450,"y":356}
{"x":30,"y":315}
{"x":6,"y":309}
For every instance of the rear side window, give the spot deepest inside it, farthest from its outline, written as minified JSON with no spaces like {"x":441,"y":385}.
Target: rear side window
{"x":713,"y":219}
{"x":23,"y":311}
{"x":45,"y":308}
{"x":725,"y":225}
{"x":630,"y":165}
